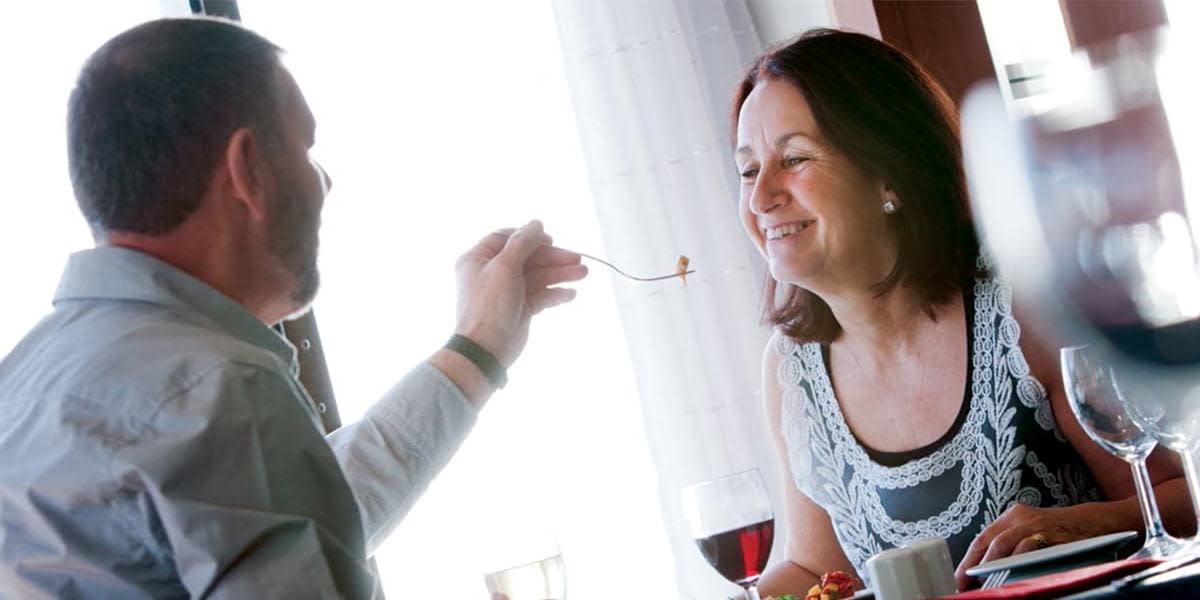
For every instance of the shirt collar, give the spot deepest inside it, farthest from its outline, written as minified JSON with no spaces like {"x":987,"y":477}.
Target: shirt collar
{"x":123,"y":274}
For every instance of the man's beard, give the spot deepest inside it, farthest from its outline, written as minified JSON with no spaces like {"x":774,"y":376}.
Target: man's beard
{"x":293,"y":243}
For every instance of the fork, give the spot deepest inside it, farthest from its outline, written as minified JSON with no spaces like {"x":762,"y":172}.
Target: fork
{"x":635,"y":278}
{"x":996,"y":579}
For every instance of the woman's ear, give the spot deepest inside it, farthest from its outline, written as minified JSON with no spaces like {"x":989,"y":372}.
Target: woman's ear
{"x":888,"y":199}
{"x":249,"y":176}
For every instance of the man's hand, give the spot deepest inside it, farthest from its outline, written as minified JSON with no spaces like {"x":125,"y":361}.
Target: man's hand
{"x":506,"y":279}
{"x":1023,"y":528}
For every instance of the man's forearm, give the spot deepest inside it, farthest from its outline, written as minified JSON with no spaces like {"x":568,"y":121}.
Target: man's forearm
{"x":390,"y":455}
{"x":469,"y":379}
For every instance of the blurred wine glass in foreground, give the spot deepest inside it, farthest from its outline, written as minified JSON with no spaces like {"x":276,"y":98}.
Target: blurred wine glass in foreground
{"x":1097,"y":404}
{"x":732,"y":523}
{"x":1087,"y":190}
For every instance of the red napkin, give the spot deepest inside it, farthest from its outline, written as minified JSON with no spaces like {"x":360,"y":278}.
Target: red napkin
{"x":1058,"y":584}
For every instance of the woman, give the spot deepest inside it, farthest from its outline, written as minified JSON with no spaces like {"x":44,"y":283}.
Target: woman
{"x":903,"y":396}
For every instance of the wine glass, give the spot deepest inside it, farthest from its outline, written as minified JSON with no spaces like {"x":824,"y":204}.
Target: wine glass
{"x":544,"y":579}
{"x":730,"y":518}
{"x":1086,"y":188}
{"x":1096,"y":401}
{"x":530,"y":567}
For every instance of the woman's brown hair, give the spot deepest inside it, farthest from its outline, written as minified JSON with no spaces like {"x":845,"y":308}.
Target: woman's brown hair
{"x":886,"y":114}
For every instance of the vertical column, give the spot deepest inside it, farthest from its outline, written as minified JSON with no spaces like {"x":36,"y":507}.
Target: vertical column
{"x":1089,"y":22}
{"x":945,"y":36}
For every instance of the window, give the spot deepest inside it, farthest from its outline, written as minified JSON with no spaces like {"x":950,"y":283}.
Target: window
{"x":439,"y":122}
{"x":43,"y":46}
{"x":1024,"y":37}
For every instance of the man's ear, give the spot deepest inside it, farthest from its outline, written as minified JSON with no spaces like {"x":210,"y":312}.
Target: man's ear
{"x":249,"y":176}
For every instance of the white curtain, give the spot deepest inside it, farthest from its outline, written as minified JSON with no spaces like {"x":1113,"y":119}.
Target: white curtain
{"x":651,"y":84}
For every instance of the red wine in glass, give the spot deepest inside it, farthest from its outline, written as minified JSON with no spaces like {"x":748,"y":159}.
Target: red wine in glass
{"x":731,"y":520}
{"x":740,"y":555}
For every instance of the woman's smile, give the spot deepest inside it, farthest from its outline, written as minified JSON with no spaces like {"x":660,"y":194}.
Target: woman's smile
{"x":787,"y":230}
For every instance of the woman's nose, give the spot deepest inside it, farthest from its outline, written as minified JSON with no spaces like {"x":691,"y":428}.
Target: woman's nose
{"x":767,"y":194}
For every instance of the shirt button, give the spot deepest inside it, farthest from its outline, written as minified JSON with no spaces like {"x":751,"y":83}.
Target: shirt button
{"x":305,"y":344}
{"x":321,"y":407}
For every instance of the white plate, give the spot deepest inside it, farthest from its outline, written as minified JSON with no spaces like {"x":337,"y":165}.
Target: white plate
{"x":1053,"y":553}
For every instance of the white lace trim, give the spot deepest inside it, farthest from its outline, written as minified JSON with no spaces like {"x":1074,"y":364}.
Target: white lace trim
{"x":1050,"y":480}
{"x":991,"y":469}
{"x":805,"y":444}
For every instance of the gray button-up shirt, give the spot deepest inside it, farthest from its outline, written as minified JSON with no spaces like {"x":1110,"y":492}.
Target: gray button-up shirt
{"x":155,"y":442}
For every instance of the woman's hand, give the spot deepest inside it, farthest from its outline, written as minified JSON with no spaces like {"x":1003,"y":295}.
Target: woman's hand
{"x":1023,"y":528}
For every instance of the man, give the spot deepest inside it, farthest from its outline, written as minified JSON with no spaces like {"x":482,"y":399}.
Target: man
{"x":156,"y":440}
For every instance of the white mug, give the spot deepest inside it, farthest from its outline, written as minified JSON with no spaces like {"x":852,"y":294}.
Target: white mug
{"x":938,"y":568}
{"x":922,"y":569}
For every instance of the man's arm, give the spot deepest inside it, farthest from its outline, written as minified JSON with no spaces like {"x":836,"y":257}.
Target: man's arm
{"x":393,"y":453}
{"x":390,"y":456}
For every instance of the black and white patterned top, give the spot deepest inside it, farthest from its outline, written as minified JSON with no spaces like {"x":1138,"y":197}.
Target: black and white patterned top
{"x":1003,"y":448}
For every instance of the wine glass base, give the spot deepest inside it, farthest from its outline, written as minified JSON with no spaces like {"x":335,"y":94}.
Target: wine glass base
{"x":1163,"y":547}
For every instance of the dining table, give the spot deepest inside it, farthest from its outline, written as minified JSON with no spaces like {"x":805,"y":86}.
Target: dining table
{"x":1183,"y":582}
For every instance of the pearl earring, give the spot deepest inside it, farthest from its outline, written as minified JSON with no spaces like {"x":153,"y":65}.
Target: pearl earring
{"x":889,"y":207}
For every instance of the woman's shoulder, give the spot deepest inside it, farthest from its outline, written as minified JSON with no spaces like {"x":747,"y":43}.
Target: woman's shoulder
{"x":789,"y":360}
{"x":780,"y":346}
{"x":790,"y":372}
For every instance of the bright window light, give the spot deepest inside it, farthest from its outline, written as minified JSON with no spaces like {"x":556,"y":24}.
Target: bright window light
{"x":1183,"y":15}
{"x":1024,"y":36}
{"x":440,"y":121}
{"x":43,"y":45}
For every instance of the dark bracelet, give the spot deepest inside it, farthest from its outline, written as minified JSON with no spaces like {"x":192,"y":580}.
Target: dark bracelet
{"x":481,"y":358}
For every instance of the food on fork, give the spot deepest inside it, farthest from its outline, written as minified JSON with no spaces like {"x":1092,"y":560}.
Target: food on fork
{"x":681,"y":267}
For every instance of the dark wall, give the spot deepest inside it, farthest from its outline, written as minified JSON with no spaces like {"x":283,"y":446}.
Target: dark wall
{"x":946,"y":36}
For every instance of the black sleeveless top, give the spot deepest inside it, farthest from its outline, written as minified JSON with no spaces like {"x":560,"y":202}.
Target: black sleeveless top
{"x":1003,"y":448}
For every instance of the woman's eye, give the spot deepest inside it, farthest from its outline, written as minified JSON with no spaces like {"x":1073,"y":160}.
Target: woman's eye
{"x":749,"y":173}
{"x":794,"y":161}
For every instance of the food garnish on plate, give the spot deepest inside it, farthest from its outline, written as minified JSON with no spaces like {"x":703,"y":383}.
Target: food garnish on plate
{"x":835,"y":585}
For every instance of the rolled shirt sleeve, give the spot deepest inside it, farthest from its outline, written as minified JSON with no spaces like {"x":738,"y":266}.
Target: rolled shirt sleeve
{"x":390,"y":456}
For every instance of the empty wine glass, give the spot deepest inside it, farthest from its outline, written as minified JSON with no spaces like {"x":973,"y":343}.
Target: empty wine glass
{"x":1096,"y":401}
{"x":731,"y":520}
{"x":526,"y":565}
{"x":544,"y":579}
{"x":1087,"y":190}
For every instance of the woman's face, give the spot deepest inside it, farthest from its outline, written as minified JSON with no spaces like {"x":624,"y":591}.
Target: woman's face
{"x":816,"y":217}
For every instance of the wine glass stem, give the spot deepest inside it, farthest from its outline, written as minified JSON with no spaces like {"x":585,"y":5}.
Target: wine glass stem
{"x":1193,"y":480}
{"x":752,"y":593}
{"x":1145,"y":494}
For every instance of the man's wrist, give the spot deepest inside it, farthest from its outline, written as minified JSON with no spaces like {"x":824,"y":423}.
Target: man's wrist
{"x":481,"y":357}
{"x":465,"y":375}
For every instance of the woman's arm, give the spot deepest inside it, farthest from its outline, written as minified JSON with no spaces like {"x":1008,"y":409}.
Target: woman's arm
{"x":810,"y":546}
{"x":1114,"y":475}
{"x":1011,"y":533}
